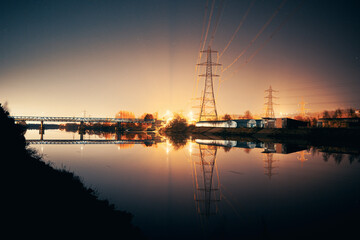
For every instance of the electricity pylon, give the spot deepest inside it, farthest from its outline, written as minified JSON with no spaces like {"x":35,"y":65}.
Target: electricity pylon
{"x":269,"y":104}
{"x":302,"y":108}
{"x":208,"y":105}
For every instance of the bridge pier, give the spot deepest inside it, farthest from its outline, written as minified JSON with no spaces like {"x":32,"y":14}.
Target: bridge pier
{"x":117,"y":127}
{"x":42,"y":130}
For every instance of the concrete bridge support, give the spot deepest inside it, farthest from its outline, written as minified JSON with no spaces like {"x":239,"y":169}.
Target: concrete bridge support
{"x":42,"y":130}
{"x":117,"y":127}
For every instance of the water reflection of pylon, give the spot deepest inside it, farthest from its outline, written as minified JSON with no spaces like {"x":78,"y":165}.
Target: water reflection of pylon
{"x":302,"y":157}
{"x":269,"y":165}
{"x":207,"y":183}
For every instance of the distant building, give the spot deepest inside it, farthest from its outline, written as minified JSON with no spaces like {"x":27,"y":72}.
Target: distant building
{"x":246,"y":123}
{"x":239,"y":123}
{"x":220,"y":124}
{"x":269,"y":122}
{"x":252,"y":123}
{"x":288,"y":123}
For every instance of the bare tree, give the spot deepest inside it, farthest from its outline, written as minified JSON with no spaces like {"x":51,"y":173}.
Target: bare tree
{"x":248,"y":115}
{"x":227,"y":117}
{"x":326,"y":114}
{"x":351,"y":113}
{"x":337,"y":113}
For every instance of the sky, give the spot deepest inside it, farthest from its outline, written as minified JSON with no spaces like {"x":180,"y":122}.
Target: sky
{"x":61,"y":58}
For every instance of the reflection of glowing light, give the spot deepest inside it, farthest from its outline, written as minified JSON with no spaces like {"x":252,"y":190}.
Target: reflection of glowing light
{"x":168,"y":146}
{"x":302,"y":158}
{"x":82,"y":147}
{"x":190,"y":147}
{"x":125,"y":145}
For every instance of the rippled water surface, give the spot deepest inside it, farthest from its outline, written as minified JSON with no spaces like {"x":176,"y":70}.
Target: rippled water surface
{"x":215,"y":189}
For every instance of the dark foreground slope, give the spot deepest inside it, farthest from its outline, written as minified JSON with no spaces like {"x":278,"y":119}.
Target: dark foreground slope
{"x":38,"y":201}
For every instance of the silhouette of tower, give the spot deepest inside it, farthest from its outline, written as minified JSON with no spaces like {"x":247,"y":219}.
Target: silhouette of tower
{"x":302,"y":108}
{"x":208,"y":105}
{"x":269,"y":104}
{"x":207,"y":184}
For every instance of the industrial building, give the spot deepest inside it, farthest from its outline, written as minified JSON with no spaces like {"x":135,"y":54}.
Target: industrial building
{"x":254,"y":123}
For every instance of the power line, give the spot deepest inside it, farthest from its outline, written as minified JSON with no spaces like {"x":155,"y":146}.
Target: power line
{"x":266,"y":41}
{"x":238,"y":27}
{"x":321,"y":103}
{"x":275,"y":32}
{"x":257,"y":35}
{"x":217,"y":20}
{"x":208,"y":26}
{"x":318,"y":95}
{"x":337,"y":85}
{"x":201,"y":41}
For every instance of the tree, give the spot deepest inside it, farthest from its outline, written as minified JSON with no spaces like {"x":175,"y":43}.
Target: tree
{"x":227,"y":117}
{"x":314,"y":122}
{"x":351,"y":113}
{"x":148,"y":116}
{"x":248,"y":115}
{"x":337,"y":113}
{"x":177,"y":124}
{"x":326,"y":114}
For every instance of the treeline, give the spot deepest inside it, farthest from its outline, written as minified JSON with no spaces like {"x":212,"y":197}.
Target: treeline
{"x":106,"y":127}
{"x":341,"y":113}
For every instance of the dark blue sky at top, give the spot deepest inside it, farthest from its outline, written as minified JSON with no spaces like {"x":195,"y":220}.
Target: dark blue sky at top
{"x":322,"y":34}
{"x":32,"y":28}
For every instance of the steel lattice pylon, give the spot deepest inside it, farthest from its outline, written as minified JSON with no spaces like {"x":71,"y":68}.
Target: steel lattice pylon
{"x":269,"y":104}
{"x":302,"y":108}
{"x":208,"y":105}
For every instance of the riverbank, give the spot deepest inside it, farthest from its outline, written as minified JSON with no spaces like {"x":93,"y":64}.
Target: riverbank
{"x":42,"y":202}
{"x":310,"y":135}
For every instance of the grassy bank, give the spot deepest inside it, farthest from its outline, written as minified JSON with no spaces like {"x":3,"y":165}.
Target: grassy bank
{"x":39,"y":201}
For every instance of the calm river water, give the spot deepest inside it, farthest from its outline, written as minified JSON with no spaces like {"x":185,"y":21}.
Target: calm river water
{"x":217,"y":189}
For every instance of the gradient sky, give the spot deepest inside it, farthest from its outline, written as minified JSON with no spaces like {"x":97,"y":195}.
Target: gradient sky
{"x":59,"y":58}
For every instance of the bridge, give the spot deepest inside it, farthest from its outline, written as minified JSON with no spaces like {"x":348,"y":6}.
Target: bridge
{"x":63,"y":141}
{"x":82,"y":119}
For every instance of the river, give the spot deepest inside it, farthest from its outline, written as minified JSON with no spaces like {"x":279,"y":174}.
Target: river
{"x":221,"y":189}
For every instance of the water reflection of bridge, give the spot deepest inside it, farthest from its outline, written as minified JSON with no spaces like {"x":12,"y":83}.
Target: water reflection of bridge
{"x":82,"y":121}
